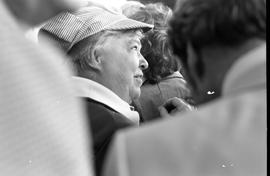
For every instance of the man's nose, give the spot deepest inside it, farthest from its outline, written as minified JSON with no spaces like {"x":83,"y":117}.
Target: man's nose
{"x":143,"y":64}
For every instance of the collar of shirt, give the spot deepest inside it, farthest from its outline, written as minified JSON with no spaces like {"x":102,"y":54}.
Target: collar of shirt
{"x":91,"y":89}
{"x":175,"y":74}
{"x":249,"y":72}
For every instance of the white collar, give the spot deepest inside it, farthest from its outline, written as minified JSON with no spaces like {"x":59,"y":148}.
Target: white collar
{"x":248,"y":72}
{"x":91,"y":89}
{"x":176,"y":74}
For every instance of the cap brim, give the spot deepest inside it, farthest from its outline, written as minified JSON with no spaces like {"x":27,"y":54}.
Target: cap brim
{"x":125,"y":24}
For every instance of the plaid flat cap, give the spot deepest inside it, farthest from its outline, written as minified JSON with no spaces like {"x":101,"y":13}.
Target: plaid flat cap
{"x":68,"y":28}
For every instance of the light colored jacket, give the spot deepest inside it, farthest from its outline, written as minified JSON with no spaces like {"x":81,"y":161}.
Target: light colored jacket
{"x":154,"y":95}
{"x":43,"y":128}
{"x":226,"y":137}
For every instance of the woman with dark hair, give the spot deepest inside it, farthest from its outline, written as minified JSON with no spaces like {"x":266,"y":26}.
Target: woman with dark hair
{"x":162,"y":78}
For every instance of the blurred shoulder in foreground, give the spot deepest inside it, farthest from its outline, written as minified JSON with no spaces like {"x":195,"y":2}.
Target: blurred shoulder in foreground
{"x":42,"y":124}
{"x":222,"y":47}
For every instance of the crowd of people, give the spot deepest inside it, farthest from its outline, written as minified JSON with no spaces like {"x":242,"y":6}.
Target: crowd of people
{"x":125,"y":91}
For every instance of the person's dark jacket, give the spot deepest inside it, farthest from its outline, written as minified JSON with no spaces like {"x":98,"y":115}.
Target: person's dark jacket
{"x":104,"y":122}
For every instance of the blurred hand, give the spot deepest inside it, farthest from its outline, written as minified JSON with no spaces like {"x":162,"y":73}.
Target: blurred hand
{"x":174,"y":105}
{"x":34,"y":12}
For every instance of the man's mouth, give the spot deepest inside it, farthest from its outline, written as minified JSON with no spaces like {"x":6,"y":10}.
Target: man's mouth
{"x":140,"y":76}
{"x":139,"y":79}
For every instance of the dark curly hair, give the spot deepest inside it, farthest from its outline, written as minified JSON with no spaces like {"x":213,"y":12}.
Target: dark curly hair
{"x":215,"y":22}
{"x":155,"y":44}
{"x":158,"y":53}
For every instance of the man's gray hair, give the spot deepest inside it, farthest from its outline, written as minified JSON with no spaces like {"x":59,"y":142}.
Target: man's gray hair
{"x":83,"y":52}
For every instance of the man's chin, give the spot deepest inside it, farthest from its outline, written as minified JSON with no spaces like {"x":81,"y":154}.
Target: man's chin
{"x":135,"y":94}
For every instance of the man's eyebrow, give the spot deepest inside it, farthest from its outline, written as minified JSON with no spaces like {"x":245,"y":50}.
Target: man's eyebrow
{"x":130,"y":41}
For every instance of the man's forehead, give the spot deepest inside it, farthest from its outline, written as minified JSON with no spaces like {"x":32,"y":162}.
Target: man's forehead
{"x":135,"y":36}
{"x":130,"y":35}
{"x":135,"y":39}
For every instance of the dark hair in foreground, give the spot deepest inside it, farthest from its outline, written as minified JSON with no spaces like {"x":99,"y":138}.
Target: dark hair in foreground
{"x":215,"y":22}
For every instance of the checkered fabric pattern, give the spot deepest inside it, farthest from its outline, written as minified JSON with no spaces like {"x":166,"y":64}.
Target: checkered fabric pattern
{"x":68,"y":28}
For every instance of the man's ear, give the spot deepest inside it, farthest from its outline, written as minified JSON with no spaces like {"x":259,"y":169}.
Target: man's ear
{"x":95,"y":59}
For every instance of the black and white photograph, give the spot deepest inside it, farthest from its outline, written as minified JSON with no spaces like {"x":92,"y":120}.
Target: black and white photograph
{"x":133,"y":88}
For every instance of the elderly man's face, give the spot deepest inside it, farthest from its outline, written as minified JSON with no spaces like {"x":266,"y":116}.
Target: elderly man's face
{"x":123,"y":64}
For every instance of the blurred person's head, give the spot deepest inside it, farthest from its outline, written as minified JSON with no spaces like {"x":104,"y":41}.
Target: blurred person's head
{"x":160,"y":13}
{"x":104,"y":47}
{"x":157,"y":14}
{"x":130,"y":7}
{"x":210,"y":35}
{"x":169,"y":3}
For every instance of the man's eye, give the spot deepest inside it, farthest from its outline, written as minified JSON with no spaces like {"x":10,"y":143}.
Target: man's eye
{"x":135,"y":47}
